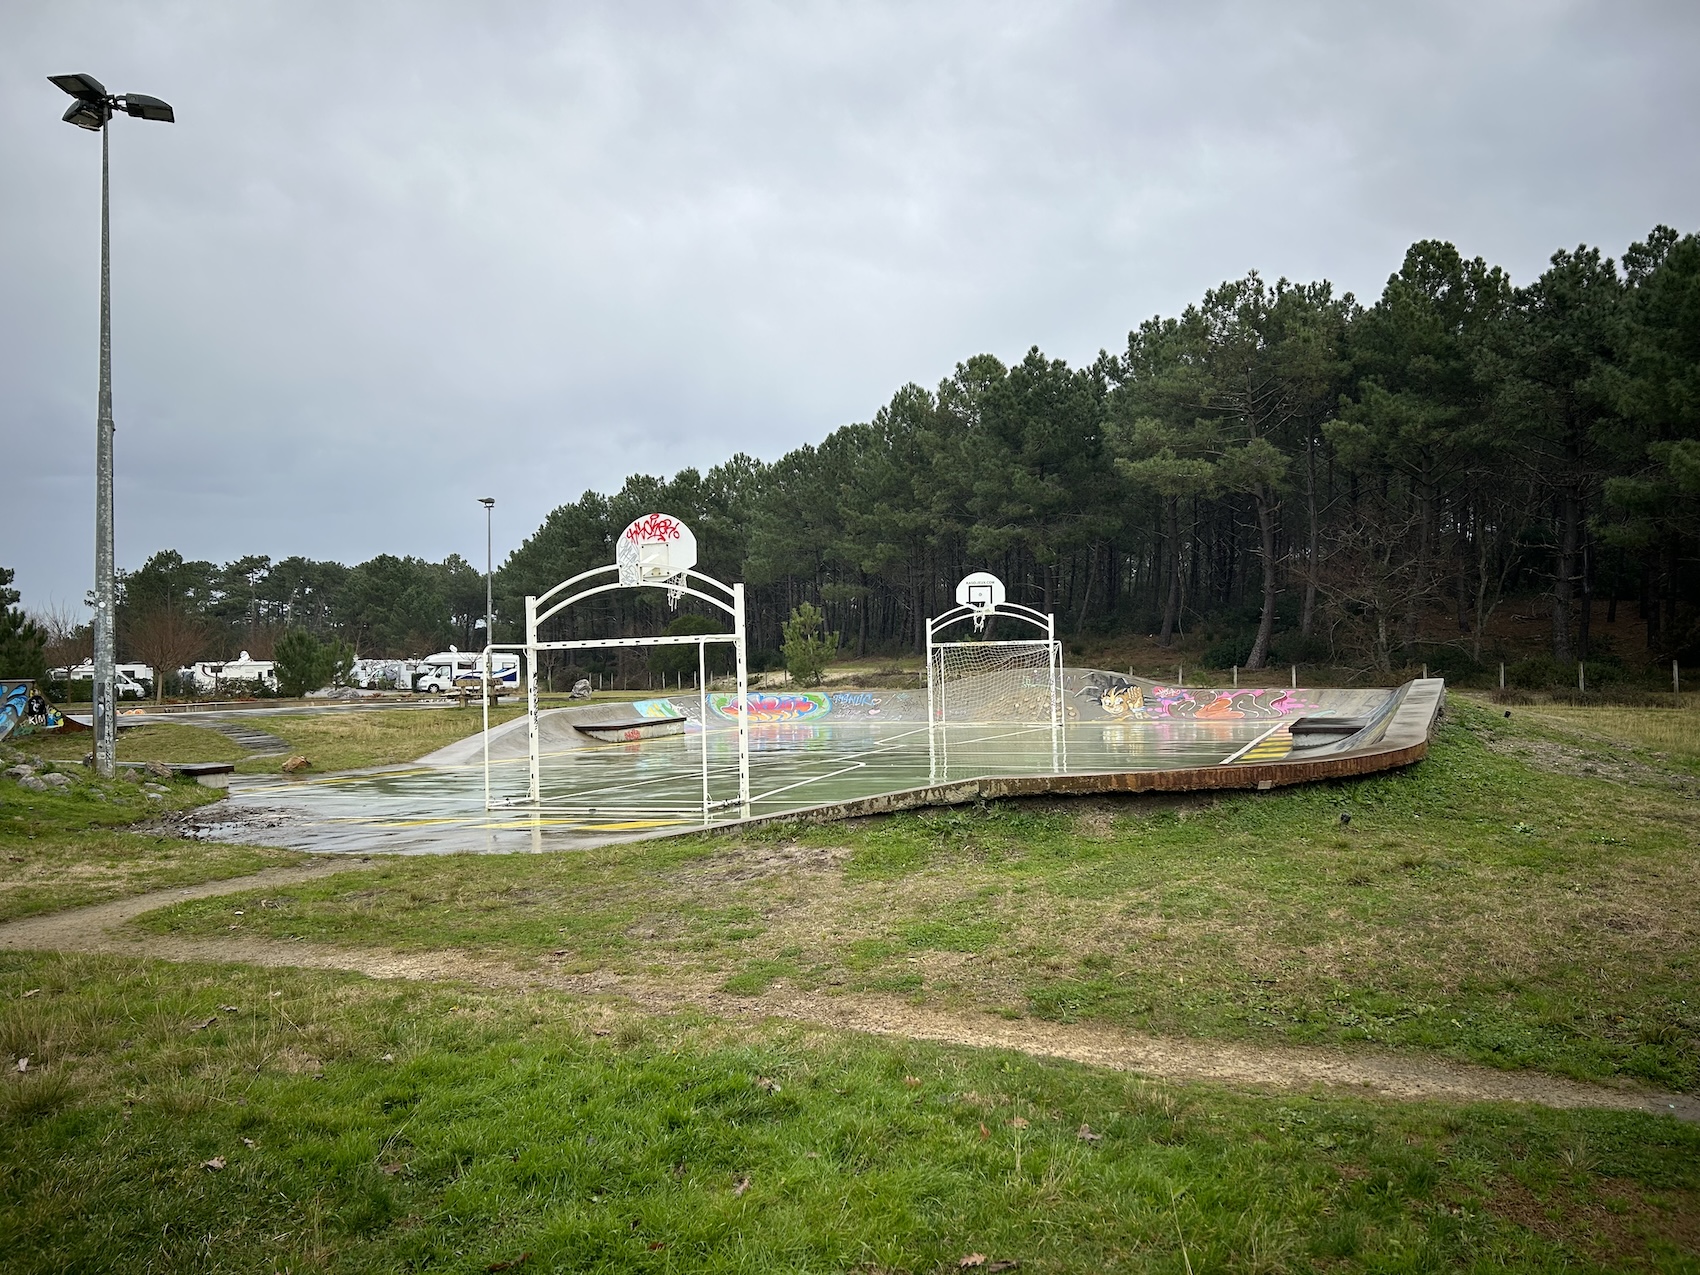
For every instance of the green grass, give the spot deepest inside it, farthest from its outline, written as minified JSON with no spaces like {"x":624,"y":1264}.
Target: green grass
{"x":1485,"y":905}
{"x":75,"y":846}
{"x":367,"y":1126}
{"x":166,"y":741}
{"x":352,"y":739}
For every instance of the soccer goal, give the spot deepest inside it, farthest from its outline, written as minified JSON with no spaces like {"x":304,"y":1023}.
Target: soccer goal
{"x":992,"y":681}
{"x":658,"y":552}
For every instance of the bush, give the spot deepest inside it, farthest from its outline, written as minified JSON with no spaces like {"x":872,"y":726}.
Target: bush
{"x":1538,"y":673}
{"x":303,"y":663}
{"x":807,"y":645}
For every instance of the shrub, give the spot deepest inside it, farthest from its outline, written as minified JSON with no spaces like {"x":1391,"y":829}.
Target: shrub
{"x":808,"y":645}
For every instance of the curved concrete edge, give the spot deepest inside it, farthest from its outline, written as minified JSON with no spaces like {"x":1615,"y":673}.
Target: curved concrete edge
{"x":1404,"y":742}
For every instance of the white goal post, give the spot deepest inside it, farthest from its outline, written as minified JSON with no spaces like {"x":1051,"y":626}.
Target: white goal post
{"x":656,"y":551}
{"x":1001,"y":681}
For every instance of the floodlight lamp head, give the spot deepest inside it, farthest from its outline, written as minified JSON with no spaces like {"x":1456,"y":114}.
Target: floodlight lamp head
{"x":489,"y":502}
{"x":85,"y":87}
{"x":89,"y":115}
{"x":141,"y":106}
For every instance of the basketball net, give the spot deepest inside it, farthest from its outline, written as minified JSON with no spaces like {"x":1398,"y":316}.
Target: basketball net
{"x":980,"y":618}
{"x":675,"y":590}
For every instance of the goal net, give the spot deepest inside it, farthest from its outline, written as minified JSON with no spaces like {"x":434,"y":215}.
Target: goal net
{"x":996,"y":682}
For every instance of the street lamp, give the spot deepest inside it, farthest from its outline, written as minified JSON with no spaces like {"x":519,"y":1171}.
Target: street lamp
{"x":92,"y":108}
{"x":489,"y":503}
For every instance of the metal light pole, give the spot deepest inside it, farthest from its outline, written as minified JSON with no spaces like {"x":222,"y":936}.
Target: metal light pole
{"x":489,"y":503}
{"x":92,"y":110}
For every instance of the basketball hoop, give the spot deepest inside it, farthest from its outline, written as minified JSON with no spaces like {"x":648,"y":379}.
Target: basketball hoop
{"x":984,"y":593}
{"x":656,"y":549}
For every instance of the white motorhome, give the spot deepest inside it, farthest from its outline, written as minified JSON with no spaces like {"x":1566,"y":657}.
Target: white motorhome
{"x":128,"y":677}
{"x":210,"y":675}
{"x":464,"y":670}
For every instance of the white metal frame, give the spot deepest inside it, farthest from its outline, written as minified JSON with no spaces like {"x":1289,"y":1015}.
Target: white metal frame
{"x":1047,"y":624}
{"x":680,"y":584}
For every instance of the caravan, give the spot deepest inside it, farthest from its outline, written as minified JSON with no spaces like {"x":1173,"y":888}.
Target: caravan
{"x":453,"y":670}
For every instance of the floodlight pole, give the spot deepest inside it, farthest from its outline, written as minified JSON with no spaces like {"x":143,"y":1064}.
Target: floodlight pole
{"x":105,"y":615}
{"x":92,"y":109}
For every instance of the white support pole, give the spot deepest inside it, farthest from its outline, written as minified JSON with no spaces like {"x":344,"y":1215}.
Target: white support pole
{"x":702,"y":719}
{"x":742,"y":646}
{"x":486,"y":672}
{"x":535,"y":745}
{"x":932,"y":713}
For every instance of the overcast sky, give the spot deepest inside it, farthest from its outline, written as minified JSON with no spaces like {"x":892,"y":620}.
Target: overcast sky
{"x":394,"y":257}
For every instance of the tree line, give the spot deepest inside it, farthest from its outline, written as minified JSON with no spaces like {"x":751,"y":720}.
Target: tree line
{"x":1351,"y":483}
{"x":1307,"y":477}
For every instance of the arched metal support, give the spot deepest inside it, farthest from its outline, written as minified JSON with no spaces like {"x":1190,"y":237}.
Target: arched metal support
{"x":732,"y":604}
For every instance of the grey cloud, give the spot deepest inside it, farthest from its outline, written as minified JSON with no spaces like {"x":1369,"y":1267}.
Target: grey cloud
{"x":392,"y":254}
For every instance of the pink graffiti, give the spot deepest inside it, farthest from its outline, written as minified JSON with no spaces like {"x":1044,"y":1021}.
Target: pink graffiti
{"x":656,"y":528}
{"x":783,"y":708}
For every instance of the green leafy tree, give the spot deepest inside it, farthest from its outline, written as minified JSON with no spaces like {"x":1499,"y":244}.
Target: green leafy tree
{"x":807,"y":644}
{"x":670,"y":661}
{"x":303,"y":663}
{"x":23,"y":645}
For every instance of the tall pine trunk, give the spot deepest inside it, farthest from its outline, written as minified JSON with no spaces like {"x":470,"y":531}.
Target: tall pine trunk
{"x":1172,"y":608}
{"x":1266,"y":624}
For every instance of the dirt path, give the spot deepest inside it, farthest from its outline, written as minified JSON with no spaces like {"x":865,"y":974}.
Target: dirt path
{"x":101,"y":929}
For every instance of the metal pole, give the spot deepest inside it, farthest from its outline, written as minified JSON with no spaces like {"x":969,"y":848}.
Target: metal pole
{"x":534,"y":747}
{"x":743,"y":698}
{"x":105,"y":614}
{"x":702,"y":718}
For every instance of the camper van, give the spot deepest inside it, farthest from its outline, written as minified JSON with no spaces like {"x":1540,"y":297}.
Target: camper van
{"x":464,"y":670}
{"x":127,"y":678}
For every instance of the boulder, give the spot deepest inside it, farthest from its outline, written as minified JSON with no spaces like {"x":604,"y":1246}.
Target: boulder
{"x":296,"y":764}
{"x":158,"y":769}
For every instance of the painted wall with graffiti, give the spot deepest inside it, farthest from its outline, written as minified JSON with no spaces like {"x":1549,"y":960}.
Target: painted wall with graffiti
{"x":1118,"y":699}
{"x":801,"y":706}
{"x":23,"y":710}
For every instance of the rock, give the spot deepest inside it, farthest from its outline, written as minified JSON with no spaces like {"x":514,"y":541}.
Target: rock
{"x":296,"y":764}
{"x":581,"y":689}
{"x":20,"y":771}
{"x":56,"y":780}
{"x":32,"y":783}
{"x":130,"y":775}
{"x":158,"y":769}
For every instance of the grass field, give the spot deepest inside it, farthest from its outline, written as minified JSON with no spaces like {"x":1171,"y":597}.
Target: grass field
{"x":82,"y":844}
{"x":1495,"y":904}
{"x":351,"y":739}
{"x":337,"y":739}
{"x":223,"y":1119}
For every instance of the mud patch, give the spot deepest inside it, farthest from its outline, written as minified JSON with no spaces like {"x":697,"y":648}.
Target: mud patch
{"x":754,"y":860}
{"x":1582,"y":762}
{"x":1620,"y":1223}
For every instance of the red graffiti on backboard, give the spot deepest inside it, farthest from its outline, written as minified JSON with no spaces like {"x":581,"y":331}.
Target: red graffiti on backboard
{"x":656,"y":528}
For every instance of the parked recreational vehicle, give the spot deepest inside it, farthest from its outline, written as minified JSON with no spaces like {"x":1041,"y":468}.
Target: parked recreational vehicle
{"x":452,"y":669}
{"x":128,"y":677}
{"x":210,"y":675}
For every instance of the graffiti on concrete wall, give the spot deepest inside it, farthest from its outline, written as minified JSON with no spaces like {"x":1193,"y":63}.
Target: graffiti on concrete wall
{"x":769,"y":706}
{"x":24,"y":709}
{"x":1118,"y":698}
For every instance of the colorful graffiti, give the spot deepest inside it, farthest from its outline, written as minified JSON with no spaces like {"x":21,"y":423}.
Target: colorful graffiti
{"x":23,"y":709}
{"x":767,"y":706}
{"x":1118,"y":698}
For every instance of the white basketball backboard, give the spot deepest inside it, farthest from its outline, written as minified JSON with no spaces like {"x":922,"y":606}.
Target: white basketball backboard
{"x":981,"y":590}
{"x":654,"y":548}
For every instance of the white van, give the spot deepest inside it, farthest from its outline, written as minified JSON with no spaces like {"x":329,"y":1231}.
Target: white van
{"x":452,"y":670}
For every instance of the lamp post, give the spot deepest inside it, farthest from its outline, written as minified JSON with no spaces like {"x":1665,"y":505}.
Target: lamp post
{"x":92,"y":109}
{"x":489,"y":503}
